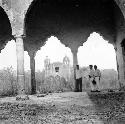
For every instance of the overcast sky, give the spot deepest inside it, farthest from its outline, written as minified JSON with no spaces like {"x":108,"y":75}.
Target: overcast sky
{"x":94,"y":51}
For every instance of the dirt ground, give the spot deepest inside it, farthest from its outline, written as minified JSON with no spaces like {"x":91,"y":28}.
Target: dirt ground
{"x":65,"y":108}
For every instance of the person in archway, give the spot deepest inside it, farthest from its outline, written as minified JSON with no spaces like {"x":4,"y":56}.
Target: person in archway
{"x":97,"y":76}
{"x":91,"y":78}
{"x":78,"y":79}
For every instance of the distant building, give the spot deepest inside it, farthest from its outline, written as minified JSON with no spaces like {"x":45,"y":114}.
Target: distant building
{"x":61,"y":69}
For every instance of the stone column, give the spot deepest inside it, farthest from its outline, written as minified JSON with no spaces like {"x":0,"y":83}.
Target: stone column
{"x":117,"y":64}
{"x":75,"y":62}
{"x":117,"y":61}
{"x":120,"y":64}
{"x":75,"y":59}
{"x":20,"y":64}
{"x":32,"y":67}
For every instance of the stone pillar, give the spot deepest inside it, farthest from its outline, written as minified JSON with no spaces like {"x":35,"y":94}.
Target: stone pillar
{"x":120,"y":64}
{"x":117,"y":61}
{"x":75,"y":59}
{"x":20,"y":64}
{"x":32,"y":67}
{"x":75,"y":62}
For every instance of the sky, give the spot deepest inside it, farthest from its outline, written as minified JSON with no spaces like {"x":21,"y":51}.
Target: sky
{"x":94,"y":51}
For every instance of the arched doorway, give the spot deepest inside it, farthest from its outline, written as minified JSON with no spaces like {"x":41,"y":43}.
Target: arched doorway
{"x":5,"y":36}
{"x":71,"y":21}
{"x":6,"y":30}
{"x":97,"y":51}
{"x":51,"y":61}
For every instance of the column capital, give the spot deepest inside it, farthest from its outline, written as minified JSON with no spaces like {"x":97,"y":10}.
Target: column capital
{"x":19,"y":36}
{"x":74,"y":50}
{"x":32,"y":53}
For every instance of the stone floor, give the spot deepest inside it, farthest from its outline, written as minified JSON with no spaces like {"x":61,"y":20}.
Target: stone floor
{"x":65,"y":108}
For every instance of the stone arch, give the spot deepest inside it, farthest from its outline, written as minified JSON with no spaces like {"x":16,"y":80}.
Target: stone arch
{"x":8,"y":11}
{"x":5,"y":25}
{"x":43,"y":42}
{"x":100,"y":38}
{"x":31,"y":48}
{"x":32,"y":3}
{"x":105,"y":36}
{"x":69,"y":22}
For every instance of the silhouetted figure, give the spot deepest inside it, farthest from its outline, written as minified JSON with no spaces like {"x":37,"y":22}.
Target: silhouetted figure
{"x":91,"y":78}
{"x":97,"y":76}
{"x":78,"y":79}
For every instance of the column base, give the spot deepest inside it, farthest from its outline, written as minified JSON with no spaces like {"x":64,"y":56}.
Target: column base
{"x":22,"y":97}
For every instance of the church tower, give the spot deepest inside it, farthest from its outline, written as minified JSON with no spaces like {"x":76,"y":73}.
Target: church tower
{"x":66,"y":65}
{"x":47,"y":66}
{"x":66,"y":61}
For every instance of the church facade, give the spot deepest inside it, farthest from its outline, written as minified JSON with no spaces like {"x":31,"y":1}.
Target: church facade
{"x":62,"y":69}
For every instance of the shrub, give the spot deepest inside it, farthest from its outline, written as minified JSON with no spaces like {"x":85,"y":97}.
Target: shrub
{"x":8,"y":84}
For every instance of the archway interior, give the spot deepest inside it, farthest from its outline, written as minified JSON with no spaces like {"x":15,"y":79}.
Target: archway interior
{"x":97,"y":51}
{"x":5,"y":28}
{"x":93,"y":51}
{"x":9,"y":59}
{"x":59,"y":17}
{"x":54,"y":50}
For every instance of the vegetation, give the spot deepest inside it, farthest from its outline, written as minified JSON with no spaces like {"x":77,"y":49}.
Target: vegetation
{"x":8,"y":85}
{"x":8,"y":81}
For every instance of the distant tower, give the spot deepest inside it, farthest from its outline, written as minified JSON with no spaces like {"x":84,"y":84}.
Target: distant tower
{"x":47,"y":66}
{"x":66,"y":63}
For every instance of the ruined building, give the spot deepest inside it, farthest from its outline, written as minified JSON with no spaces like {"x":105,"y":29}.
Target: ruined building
{"x":62,"y":69}
{"x":31,"y":22}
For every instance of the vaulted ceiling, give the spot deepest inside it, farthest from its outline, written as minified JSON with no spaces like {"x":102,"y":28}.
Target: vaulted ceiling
{"x":77,"y":17}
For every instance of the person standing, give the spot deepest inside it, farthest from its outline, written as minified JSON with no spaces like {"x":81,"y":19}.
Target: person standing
{"x":78,"y":79}
{"x":97,"y":76}
{"x":91,"y":77}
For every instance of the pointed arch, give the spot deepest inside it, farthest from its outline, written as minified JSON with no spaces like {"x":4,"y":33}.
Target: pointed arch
{"x":96,"y":50}
{"x":5,"y":25}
